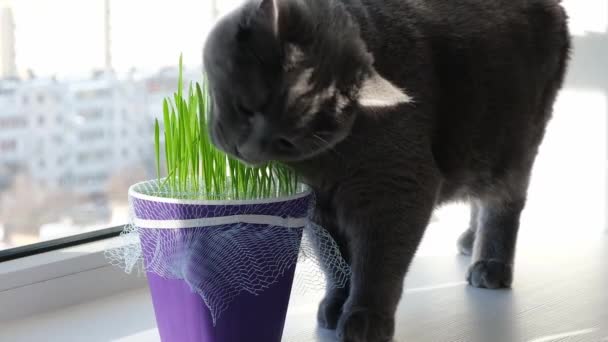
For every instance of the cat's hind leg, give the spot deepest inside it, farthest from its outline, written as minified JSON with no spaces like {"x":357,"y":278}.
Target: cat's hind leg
{"x":494,"y":243}
{"x":467,"y":238}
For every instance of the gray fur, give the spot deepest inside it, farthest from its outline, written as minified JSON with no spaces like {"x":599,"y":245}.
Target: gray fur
{"x":483,"y":76}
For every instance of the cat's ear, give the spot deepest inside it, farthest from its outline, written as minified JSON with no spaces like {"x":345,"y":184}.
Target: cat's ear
{"x":269,"y":9}
{"x":378,"y":92}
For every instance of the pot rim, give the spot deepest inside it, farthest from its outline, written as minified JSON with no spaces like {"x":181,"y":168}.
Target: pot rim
{"x":134,"y":193}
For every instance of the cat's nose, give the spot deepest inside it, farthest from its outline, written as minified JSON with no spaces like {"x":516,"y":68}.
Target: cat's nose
{"x":261,"y":149}
{"x":262,"y":140}
{"x":250,"y":151}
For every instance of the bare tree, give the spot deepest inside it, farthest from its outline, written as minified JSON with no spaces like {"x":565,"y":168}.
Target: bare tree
{"x":121,"y":180}
{"x":26,"y":206}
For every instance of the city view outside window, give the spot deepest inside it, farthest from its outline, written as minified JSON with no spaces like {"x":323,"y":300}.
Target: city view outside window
{"x":81,"y":82}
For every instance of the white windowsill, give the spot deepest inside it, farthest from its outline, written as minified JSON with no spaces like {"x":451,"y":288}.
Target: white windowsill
{"x":556,"y":296}
{"x":123,"y":317}
{"x":60,"y":278}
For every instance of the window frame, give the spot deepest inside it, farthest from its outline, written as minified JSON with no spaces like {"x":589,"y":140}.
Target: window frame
{"x":56,"y":244}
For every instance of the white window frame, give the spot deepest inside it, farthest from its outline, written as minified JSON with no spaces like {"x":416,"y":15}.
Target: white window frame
{"x":59,"y":278}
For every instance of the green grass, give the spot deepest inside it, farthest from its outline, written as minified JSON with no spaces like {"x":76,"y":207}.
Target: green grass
{"x":195,"y":168}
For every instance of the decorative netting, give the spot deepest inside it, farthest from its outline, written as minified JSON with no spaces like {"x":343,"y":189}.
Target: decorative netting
{"x":226,"y":249}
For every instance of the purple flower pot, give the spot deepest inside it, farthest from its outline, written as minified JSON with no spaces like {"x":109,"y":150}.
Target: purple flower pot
{"x":219,"y":271}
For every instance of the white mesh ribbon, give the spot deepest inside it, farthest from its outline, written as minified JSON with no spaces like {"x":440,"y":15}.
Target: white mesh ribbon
{"x":224,"y":249}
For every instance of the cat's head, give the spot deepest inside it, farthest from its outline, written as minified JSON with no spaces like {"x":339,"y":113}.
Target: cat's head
{"x":287,"y":79}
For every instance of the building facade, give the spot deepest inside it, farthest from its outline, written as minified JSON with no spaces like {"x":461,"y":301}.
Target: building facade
{"x":8,"y":61}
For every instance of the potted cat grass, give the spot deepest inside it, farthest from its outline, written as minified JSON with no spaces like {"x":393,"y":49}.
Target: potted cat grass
{"x":219,"y":239}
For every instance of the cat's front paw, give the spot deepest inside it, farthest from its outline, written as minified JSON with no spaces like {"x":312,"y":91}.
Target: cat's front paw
{"x":363,"y":325}
{"x":330,"y":310}
{"x":490,"y":274}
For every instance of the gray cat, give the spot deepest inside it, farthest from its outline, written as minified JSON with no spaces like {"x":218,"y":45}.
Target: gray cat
{"x":388,"y":108}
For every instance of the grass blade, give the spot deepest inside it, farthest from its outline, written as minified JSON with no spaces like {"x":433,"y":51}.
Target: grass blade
{"x":195,"y":166}
{"x":157,"y":148}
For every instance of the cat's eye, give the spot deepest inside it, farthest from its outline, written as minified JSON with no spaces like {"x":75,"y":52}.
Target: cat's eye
{"x":244,"y":111}
{"x":285,"y":144}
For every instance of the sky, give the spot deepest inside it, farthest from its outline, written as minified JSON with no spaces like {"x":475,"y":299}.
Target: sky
{"x":66,"y":37}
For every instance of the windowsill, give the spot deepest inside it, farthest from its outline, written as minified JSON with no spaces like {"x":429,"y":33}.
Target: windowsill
{"x":555,"y":295}
{"x":60,"y":278}
{"x":86,"y":255}
{"x":124,"y":317}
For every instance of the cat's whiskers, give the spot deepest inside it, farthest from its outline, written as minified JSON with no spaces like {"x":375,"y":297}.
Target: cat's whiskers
{"x":322,"y":143}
